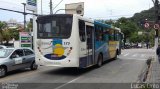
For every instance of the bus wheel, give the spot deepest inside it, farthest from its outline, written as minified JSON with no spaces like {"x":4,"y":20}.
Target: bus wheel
{"x":116,"y":54}
{"x":100,"y":60}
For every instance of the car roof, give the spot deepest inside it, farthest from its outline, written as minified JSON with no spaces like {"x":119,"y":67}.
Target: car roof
{"x":3,"y":46}
{"x":18,"y":48}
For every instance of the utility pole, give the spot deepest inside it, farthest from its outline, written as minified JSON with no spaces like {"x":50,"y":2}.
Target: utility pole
{"x":51,"y":12}
{"x":156,"y":15}
{"x":24,"y":13}
{"x":41,"y":8}
{"x":156,"y":7}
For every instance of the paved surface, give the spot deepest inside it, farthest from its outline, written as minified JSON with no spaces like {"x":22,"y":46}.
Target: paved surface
{"x":125,"y":69}
{"x":154,"y":73}
{"x":137,"y":54}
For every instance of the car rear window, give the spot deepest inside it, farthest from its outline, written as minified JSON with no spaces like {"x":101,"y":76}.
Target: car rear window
{"x":28,"y":52}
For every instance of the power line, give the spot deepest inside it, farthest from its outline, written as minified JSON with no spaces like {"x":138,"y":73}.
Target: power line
{"x":57,"y":4}
{"x":18,"y":11}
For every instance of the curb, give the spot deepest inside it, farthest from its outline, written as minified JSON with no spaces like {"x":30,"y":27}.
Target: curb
{"x":144,"y":75}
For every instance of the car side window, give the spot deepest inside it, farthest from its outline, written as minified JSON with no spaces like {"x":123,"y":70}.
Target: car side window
{"x":28,"y":52}
{"x":17,"y":53}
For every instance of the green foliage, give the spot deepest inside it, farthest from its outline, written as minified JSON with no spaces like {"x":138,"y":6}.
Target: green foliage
{"x":129,"y":29}
{"x":14,"y":33}
{"x":7,"y":34}
{"x":29,"y":26}
{"x":146,"y":14}
{"x":131,"y":26}
{"x":3,"y":25}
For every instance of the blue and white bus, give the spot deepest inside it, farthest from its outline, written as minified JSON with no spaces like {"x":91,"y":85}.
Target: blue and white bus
{"x":66,"y":40}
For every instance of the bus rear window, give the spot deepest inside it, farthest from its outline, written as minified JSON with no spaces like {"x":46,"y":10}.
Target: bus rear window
{"x":54,"y":26}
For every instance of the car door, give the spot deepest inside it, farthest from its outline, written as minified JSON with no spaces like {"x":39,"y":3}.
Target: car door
{"x":17,"y":59}
{"x":29,"y":57}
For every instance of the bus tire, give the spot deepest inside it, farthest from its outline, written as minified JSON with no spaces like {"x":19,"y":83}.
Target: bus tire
{"x":3,"y":71}
{"x":100,"y":60}
{"x":116,"y":54}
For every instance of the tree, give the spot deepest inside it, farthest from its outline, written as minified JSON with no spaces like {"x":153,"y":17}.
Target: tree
{"x":14,"y":33}
{"x":3,"y":25}
{"x":29,"y":26}
{"x":127,"y":26}
{"x":7,"y":36}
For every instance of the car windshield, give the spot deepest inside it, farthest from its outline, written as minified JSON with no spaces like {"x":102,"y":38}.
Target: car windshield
{"x":5,"y":52}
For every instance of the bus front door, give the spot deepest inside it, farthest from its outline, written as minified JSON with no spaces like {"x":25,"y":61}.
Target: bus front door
{"x":90,"y":45}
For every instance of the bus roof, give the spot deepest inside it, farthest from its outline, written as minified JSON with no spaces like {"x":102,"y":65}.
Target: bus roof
{"x":107,"y":25}
{"x":102,"y":24}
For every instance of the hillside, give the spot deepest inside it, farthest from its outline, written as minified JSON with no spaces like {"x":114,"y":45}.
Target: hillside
{"x":146,"y":14}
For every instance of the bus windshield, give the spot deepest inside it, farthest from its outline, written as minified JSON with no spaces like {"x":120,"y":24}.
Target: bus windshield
{"x":54,"y":26}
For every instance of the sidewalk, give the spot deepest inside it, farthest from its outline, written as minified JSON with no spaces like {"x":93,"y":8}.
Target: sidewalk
{"x":154,"y":75}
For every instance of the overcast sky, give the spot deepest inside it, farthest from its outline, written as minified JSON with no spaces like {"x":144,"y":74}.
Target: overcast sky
{"x":96,"y":9}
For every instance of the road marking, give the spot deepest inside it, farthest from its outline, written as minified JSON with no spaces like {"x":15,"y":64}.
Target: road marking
{"x":134,"y":55}
{"x":126,"y":54}
{"x":67,"y":83}
{"x":134,"y":59}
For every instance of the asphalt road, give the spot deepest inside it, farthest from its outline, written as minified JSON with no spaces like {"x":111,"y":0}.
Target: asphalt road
{"x":125,"y":69}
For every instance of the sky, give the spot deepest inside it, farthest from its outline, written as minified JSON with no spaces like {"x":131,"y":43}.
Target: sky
{"x":95,"y":9}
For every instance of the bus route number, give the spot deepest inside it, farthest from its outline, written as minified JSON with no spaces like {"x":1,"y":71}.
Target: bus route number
{"x":66,"y":43}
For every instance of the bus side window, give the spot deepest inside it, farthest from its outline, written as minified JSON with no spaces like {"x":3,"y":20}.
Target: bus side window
{"x":106,"y":35}
{"x":82,"y":30}
{"x":111,"y":35}
{"x":97,"y":33}
{"x":103,"y":34}
{"x":117,"y":36}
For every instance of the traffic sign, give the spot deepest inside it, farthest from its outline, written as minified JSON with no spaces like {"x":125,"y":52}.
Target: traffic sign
{"x":146,"y":25}
{"x":32,"y":5}
{"x":25,"y":45}
{"x":25,"y":39}
{"x":156,"y":26}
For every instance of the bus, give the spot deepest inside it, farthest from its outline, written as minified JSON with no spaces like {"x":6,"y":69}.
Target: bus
{"x":70,"y":40}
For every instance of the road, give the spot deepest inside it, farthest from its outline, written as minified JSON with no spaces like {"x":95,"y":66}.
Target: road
{"x":125,"y":69}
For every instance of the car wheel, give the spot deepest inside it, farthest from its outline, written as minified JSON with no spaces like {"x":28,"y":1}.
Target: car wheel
{"x":100,"y":60}
{"x":2,"y":72}
{"x":34,"y":66}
